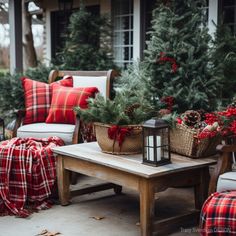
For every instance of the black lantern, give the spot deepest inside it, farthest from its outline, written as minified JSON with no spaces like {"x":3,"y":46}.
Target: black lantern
{"x":156,"y":142}
{"x":65,"y":5}
{"x":2,"y":129}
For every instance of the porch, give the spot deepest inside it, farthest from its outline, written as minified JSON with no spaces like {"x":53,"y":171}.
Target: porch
{"x":102,"y":213}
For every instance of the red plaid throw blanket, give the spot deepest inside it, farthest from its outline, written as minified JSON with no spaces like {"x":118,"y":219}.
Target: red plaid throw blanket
{"x":218,"y":216}
{"x":27,"y":174}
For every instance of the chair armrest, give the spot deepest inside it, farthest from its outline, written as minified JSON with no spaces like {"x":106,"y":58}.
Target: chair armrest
{"x":224,"y":164}
{"x":20,"y":114}
{"x":52,"y":76}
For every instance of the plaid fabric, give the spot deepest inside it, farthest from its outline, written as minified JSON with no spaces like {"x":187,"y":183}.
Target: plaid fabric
{"x":38,"y":98}
{"x":87,"y":132}
{"x":218,"y":215}
{"x":27,"y":174}
{"x":64,"y":99}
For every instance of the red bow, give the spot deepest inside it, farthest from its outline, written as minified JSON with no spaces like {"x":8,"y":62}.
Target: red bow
{"x":118,"y":133}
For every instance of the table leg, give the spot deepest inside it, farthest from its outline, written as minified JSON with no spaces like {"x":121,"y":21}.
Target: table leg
{"x":63,"y":181}
{"x":147,"y":204}
{"x":201,"y":190}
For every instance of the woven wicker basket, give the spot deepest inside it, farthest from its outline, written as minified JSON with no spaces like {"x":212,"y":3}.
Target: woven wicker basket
{"x":132,"y":143}
{"x":184,"y":141}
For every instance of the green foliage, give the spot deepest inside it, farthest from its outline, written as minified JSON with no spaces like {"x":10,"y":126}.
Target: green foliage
{"x":134,"y":79}
{"x":170,"y":119}
{"x":224,"y":57}
{"x":179,"y":34}
{"x":125,"y":109}
{"x":39,"y":73}
{"x":130,"y":104}
{"x":84,"y":49}
{"x":11,"y":91}
{"x":11,"y":95}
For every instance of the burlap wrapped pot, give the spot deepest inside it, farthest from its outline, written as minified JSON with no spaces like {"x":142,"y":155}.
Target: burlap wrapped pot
{"x":131,"y":144}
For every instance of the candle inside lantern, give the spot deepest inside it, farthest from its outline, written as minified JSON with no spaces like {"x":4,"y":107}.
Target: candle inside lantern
{"x":150,"y":149}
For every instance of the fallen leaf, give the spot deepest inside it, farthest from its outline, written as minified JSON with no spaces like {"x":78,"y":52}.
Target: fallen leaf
{"x":45,"y":232}
{"x":97,"y":217}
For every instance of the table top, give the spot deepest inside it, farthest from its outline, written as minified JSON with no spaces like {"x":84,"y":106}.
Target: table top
{"x":131,"y":163}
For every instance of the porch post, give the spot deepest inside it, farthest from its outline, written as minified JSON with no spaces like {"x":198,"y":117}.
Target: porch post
{"x":137,"y":30}
{"x":15,"y":21}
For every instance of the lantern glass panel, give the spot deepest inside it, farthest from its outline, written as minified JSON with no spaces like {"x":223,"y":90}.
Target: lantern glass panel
{"x":156,"y":145}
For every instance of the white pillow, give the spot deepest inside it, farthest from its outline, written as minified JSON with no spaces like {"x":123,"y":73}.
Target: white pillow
{"x":100,"y":82}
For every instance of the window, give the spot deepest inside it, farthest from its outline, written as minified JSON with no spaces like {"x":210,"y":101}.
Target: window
{"x":122,"y":15}
{"x":228,"y":16}
{"x":59,"y":27}
{"x":206,"y":11}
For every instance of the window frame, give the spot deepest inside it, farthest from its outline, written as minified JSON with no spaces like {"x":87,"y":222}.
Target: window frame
{"x":119,"y":33}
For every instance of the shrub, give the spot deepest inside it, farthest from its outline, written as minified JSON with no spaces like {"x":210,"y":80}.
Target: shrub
{"x":11,"y":91}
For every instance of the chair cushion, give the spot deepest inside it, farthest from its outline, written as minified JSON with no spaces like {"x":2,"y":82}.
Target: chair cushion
{"x":226,"y":181}
{"x":38,"y":98}
{"x":44,"y":130}
{"x":64,"y":99}
{"x":99,"y":82}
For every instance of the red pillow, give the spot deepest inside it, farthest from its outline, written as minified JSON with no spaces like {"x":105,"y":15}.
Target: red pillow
{"x":38,"y":98}
{"x":64,"y":99}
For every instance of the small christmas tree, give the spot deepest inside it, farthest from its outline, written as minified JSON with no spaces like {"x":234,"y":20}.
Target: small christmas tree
{"x":83,"y":48}
{"x":177,"y":56}
{"x":224,"y":57}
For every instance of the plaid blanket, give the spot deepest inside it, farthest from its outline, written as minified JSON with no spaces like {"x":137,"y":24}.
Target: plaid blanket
{"x":27,"y":174}
{"x":218,"y":215}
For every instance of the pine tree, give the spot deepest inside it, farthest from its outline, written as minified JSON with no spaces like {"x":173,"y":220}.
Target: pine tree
{"x":83,"y":48}
{"x":177,"y":56}
{"x":224,"y":57}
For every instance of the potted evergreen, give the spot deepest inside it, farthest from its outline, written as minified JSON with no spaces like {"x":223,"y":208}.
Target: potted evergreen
{"x":117,"y":122}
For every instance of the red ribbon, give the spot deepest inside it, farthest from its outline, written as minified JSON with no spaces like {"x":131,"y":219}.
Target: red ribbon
{"x":163,"y":58}
{"x":118,"y":133}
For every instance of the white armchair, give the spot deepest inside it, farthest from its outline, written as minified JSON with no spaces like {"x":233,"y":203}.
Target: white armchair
{"x":224,"y":177}
{"x":69,"y":133}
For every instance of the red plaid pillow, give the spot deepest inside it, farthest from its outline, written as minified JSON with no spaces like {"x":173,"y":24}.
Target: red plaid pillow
{"x":65,"y":99}
{"x":38,"y":98}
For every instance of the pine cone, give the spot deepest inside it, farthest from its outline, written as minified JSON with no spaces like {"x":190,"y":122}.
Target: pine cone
{"x":129,"y":111}
{"x":191,"y":118}
{"x":202,"y":114}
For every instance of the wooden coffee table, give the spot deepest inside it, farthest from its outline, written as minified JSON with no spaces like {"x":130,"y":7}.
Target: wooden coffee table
{"x":129,"y":171}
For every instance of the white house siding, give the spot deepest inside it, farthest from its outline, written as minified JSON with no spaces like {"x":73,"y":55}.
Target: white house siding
{"x":105,"y":7}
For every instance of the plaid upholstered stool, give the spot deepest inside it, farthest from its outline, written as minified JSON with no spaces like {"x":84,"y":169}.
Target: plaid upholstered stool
{"x":218,"y":216}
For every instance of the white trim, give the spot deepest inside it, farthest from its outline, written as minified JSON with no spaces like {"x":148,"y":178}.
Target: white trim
{"x":212,"y":16}
{"x":121,"y":30}
{"x":16,"y":46}
{"x":137,"y":30}
{"x":48,"y":38}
